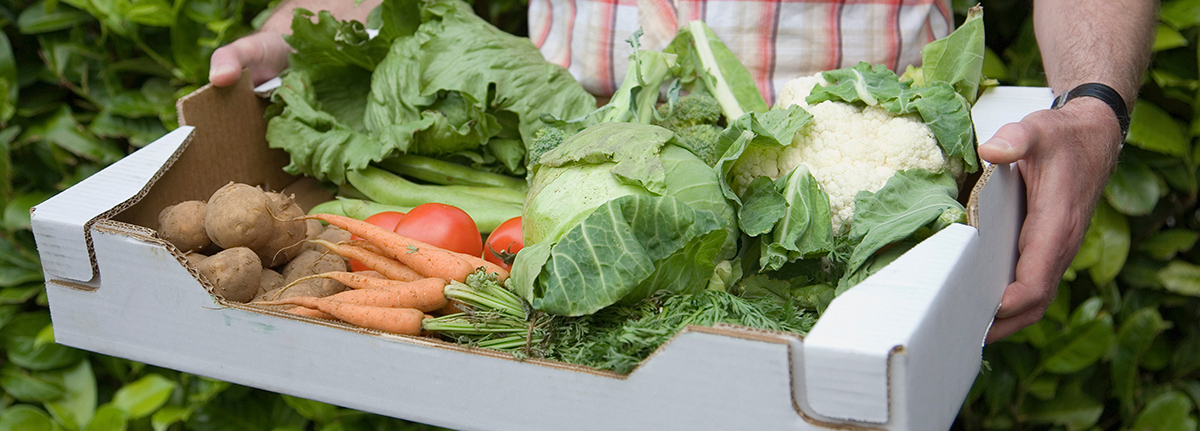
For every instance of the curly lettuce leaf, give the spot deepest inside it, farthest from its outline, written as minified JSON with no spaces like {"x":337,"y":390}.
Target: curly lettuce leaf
{"x":445,"y":85}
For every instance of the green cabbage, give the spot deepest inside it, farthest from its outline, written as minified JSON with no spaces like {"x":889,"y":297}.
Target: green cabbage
{"x":616,"y":213}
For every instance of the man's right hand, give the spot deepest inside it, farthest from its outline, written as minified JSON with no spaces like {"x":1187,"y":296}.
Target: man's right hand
{"x":265,"y":54}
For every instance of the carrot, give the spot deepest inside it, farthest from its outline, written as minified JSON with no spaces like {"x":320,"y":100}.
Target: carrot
{"x":424,"y":258}
{"x":304,"y":311}
{"x":407,"y":321}
{"x":425,"y":294}
{"x":390,"y":268}
{"x":370,"y":273}
{"x":451,"y":307}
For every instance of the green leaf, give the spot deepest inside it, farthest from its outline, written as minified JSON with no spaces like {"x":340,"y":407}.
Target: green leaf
{"x":1133,"y":189}
{"x":1181,"y":277}
{"x":957,"y":59}
{"x":108,"y":418}
{"x":162,"y":419}
{"x":77,"y":405}
{"x":1114,"y":238}
{"x":1181,"y":14}
{"x":1079,"y":347}
{"x":14,"y":277}
{"x":1072,"y":407}
{"x":63,"y":130}
{"x":313,"y":410}
{"x":26,"y":386}
{"x":36,"y":19}
{"x":144,"y":396}
{"x":1170,"y":411}
{"x":1154,"y":129}
{"x":156,"y":13}
{"x":16,"y":213}
{"x":909,"y":200}
{"x":25,"y":418}
{"x":805,"y":228}
{"x":20,"y":336}
{"x":1168,"y":38}
{"x":9,"y":89}
{"x":1133,"y":338}
{"x":244,"y":409}
{"x":1165,"y":244}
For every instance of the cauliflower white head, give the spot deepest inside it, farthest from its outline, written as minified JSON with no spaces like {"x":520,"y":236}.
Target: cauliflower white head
{"x":847,"y":148}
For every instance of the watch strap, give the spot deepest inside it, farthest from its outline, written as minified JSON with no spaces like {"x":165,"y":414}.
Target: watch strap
{"x":1105,"y":94}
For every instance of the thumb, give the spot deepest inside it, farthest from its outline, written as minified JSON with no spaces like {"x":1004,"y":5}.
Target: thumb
{"x":1009,"y":144}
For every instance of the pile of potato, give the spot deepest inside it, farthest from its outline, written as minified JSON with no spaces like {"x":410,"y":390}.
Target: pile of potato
{"x":250,"y":244}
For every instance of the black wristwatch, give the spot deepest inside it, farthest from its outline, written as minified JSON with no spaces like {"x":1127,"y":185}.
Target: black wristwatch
{"x":1105,"y":94}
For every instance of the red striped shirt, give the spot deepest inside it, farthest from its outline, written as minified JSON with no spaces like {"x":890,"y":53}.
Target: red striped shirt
{"x":777,"y":40}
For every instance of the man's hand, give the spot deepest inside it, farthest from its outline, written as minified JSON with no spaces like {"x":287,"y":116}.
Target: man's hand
{"x":265,"y":54}
{"x":1065,"y":157}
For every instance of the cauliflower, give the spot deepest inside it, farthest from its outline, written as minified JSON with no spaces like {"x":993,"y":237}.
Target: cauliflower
{"x":848,"y":149}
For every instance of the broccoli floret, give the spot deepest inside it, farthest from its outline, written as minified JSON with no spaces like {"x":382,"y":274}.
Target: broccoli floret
{"x":704,"y":140}
{"x":544,"y":140}
{"x":690,"y":110}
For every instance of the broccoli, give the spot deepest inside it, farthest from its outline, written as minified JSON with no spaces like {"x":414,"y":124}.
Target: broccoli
{"x":695,"y":120}
{"x":544,"y":140}
{"x":703,"y":140}
{"x":690,"y":110}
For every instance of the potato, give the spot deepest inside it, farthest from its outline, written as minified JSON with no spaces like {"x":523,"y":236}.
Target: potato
{"x":270,"y":280}
{"x":182,"y":225}
{"x":235,"y":273}
{"x":195,"y":258}
{"x":313,"y":262}
{"x":332,"y":234}
{"x":241,"y":215}
{"x":288,"y":238}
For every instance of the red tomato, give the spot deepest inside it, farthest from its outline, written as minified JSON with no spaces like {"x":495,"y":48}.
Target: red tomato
{"x":443,"y":226}
{"x":503,"y":243}
{"x":387,"y":220}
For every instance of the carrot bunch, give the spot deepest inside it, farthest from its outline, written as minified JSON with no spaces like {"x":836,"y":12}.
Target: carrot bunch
{"x":408,"y":279}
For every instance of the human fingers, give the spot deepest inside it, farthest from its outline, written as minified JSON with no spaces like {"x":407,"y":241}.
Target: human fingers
{"x":264,"y":54}
{"x":1004,"y":327}
{"x":1011,"y":142}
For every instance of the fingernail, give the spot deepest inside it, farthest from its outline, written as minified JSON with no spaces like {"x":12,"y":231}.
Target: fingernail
{"x":998,"y":144}
{"x":221,"y":71}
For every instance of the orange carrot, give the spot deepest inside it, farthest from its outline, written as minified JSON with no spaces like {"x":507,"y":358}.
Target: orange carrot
{"x":370,"y":273}
{"x":304,"y":311}
{"x":424,"y":258}
{"x":451,"y":307}
{"x":390,"y":268}
{"x":426,"y":294}
{"x":396,"y":320}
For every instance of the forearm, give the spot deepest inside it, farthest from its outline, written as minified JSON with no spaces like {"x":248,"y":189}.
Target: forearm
{"x":280,"y":20}
{"x":1106,"y":41}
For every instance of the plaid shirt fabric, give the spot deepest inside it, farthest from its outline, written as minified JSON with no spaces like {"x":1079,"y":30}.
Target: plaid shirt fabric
{"x":777,"y":40}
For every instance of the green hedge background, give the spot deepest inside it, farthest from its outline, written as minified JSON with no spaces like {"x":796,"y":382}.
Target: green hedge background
{"x":85,"y":82}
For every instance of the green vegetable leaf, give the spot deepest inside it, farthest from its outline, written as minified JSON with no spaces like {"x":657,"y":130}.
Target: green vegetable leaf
{"x":627,"y":249}
{"x":957,"y":59}
{"x":910,"y":199}
{"x":1168,"y":38}
{"x":805,"y":229}
{"x":762,"y":207}
{"x":735,"y":88}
